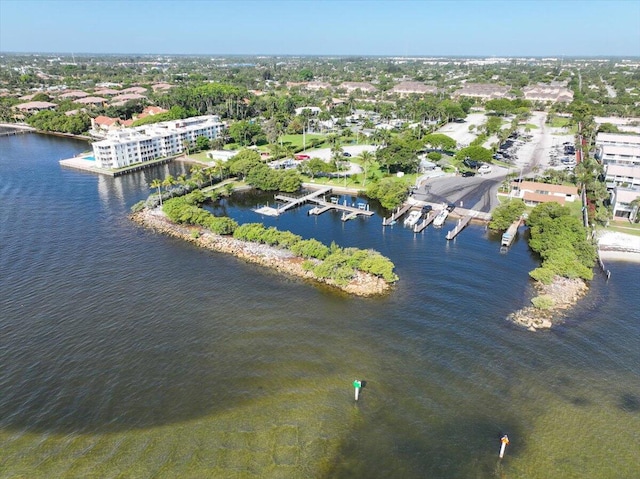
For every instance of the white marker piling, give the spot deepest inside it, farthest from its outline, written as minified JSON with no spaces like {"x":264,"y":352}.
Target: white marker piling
{"x":504,"y":440}
{"x":357,"y":384}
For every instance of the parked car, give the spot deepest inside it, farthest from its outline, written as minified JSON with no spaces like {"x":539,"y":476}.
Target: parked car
{"x":426,"y":208}
{"x":346,"y":153}
{"x":467,"y":174}
{"x":471,"y":163}
{"x":451,"y":207}
{"x":484,"y":169}
{"x":302,"y":157}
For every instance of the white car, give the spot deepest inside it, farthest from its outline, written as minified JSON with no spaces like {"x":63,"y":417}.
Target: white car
{"x":484,"y":169}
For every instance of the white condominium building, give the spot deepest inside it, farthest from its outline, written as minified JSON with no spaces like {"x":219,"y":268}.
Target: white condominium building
{"x":145,"y":143}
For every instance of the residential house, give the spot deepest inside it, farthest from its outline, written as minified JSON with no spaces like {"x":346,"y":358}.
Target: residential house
{"x":533,"y":193}
{"x":92,"y":100}
{"x":35,"y":106}
{"x":73,"y":95}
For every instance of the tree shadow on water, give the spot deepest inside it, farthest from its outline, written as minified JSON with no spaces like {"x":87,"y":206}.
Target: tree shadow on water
{"x":110,"y":392}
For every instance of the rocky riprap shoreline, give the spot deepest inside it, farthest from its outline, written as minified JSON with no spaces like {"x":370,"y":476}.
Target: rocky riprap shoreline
{"x":275,"y":258}
{"x":564,"y":292}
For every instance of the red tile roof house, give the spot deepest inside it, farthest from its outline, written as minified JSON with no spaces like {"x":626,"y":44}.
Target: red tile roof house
{"x":533,"y":193}
{"x":74,"y":94}
{"x":92,"y":100}
{"x":106,"y":92}
{"x":103,"y":124}
{"x":35,"y":106}
{"x":134,"y":89}
{"x":121,"y":99}
{"x":150,"y":111}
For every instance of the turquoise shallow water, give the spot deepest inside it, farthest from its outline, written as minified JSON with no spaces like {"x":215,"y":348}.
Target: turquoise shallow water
{"x":128,"y":354}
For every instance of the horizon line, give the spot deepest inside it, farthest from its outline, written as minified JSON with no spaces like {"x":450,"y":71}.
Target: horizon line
{"x":565,"y":56}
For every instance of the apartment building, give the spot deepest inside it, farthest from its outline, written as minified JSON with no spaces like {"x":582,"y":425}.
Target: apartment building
{"x":621,"y":200}
{"x":159,"y":140}
{"x":618,"y":149}
{"x":413,"y":87}
{"x":619,"y":175}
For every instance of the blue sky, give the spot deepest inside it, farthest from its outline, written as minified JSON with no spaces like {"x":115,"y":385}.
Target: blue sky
{"x":323,"y":27}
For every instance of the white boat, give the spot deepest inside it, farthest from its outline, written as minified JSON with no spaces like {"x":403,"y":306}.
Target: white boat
{"x":412,"y":218}
{"x":442,"y":216}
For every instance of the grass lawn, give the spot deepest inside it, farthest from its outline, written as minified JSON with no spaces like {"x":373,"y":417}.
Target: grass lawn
{"x":296,"y":140}
{"x":531,"y":126}
{"x":560,"y":122}
{"x":200,"y":156}
{"x":624,"y":227}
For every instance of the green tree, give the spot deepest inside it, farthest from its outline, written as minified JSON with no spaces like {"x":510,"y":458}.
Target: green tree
{"x":439,"y":141}
{"x":390,"y":192}
{"x":245,"y":132}
{"x":506,"y":213}
{"x":202,"y":143}
{"x":477,"y":153}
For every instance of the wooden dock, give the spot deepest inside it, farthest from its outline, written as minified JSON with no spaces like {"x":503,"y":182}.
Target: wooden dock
{"x":394,"y":217}
{"x":459,"y":227}
{"x":426,"y":222}
{"x":292,"y":201}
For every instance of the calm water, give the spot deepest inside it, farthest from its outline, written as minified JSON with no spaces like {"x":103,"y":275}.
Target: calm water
{"x":128,"y":354}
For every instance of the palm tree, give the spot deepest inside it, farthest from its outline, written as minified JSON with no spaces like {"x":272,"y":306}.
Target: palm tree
{"x":168,"y":182}
{"x":185,"y":147}
{"x":197,"y":175}
{"x":367,"y":159}
{"x":156,"y":183}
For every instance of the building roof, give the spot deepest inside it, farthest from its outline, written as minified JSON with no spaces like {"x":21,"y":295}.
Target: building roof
{"x":617,"y":138}
{"x":622,"y":170}
{"x":126,"y":97}
{"x":91,"y":100}
{"x":134,"y":89}
{"x":413,"y":87}
{"x":74,"y":94}
{"x":483,"y":90}
{"x":535,"y":186}
{"x":106,"y":91}
{"x":161,"y":86}
{"x":355,"y":85}
{"x":629,"y":150}
{"x":626,"y":195}
{"x":544,"y":92}
{"x":318,"y":85}
{"x":36,"y":105}
{"x":542,"y":198}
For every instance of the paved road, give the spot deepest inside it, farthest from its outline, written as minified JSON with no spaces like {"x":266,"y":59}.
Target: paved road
{"x":476,"y":193}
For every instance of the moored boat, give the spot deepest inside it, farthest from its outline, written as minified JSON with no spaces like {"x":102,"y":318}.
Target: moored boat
{"x":412,"y":218}
{"x":440,"y":218}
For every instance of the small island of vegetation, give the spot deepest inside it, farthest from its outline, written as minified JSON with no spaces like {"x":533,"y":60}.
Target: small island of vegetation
{"x":567,"y":254}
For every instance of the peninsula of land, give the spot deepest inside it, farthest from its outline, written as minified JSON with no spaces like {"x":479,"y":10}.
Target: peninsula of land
{"x":363,"y":284}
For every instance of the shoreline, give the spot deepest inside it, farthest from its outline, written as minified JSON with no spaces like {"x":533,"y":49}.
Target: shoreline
{"x":30,"y":129}
{"x":564,"y":293}
{"x":283,"y":261}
